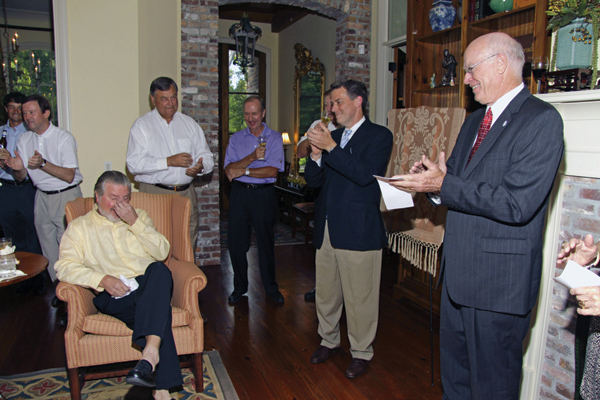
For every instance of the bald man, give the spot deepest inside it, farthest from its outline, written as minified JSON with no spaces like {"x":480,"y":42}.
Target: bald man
{"x":496,"y":185}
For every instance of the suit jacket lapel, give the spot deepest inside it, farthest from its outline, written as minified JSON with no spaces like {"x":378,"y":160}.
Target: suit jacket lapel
{"x":358,"y":135}
{"x":501,"y":123}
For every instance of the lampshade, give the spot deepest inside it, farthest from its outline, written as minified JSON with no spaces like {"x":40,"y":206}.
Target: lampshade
{"x":286,"y":138}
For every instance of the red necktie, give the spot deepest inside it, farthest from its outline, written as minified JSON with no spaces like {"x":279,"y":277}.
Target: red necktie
{"x":484,"y":128}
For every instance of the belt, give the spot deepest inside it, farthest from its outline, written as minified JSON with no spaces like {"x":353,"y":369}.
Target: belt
{"x":179,"y":188}
{"x":15,"y":182}
{"x":253,"y":185}
{"x":60,"y":190}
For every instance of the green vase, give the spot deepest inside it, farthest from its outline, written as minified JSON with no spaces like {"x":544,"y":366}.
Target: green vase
{"x":501,"y":5}
{"x":570,"y":53}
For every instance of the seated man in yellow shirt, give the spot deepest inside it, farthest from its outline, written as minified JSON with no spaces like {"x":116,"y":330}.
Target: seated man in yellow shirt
{"x":113,"y":249}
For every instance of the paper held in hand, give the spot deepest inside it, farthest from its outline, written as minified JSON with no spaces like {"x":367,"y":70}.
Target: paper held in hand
{"x":392,"y":197}
{"x":574,"y":276}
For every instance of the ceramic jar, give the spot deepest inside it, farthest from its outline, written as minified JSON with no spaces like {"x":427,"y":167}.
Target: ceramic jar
{"x":570,"y":53}
{"x":501,"y":5}
{"x":441,"y":15}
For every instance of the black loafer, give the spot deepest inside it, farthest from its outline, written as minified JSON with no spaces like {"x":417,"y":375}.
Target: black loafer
{"x":357,"y":367}
{"x":142,"y":375}
{"x":277,"y":297}
{"x":56,"y":302}
{"x":236,"y":296}
{"x":310,"y":296}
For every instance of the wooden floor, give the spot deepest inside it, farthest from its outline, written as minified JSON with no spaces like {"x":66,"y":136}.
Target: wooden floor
{"x":265,"y":347}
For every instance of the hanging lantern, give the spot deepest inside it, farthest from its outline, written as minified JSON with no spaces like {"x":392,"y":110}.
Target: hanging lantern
{"x":245,"y":36}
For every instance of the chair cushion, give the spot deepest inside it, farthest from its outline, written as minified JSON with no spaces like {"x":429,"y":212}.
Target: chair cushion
{"x":105,"y":325}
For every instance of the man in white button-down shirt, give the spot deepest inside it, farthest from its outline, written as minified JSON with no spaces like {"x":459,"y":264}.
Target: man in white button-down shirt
{"x":49,"y":156}
{"x":167,"y":149}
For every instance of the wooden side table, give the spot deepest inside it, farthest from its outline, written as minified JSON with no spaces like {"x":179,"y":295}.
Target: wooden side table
{"x":307,"y":213}
{"x":30,"y":263}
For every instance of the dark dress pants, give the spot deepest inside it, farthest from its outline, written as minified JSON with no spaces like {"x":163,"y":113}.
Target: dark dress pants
{"x":252,"y":208}
{"x":148,"y":312}
{"x":481,"y":352}
{"x":16,"y":216}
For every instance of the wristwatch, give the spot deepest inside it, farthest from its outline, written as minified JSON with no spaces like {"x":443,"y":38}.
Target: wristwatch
{"x":247,"y":172}
{"x":43,"y":163}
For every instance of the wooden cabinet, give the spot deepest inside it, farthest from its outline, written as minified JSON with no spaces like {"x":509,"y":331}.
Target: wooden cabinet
{"x":425,"y":49}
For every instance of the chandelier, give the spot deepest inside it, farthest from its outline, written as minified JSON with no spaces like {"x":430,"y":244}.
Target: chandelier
{"x":11,"y":70}
{"x":245,"y":36}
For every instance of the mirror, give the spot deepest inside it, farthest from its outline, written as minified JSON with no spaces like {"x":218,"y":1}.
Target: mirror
{"x":309,"y":88}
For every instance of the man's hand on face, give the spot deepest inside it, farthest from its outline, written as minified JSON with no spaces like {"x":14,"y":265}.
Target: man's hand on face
{"x":126,"y":212}
{"x":183,"y":160}
{"x":114,"y":286}
{"x":196,"y":169}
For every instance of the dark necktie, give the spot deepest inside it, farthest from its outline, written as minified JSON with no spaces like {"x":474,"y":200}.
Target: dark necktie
{"x":484,"y":128}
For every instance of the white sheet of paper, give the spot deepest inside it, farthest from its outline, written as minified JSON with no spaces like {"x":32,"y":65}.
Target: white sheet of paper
{"x":574,"y":275}
{"x":392,"y":197}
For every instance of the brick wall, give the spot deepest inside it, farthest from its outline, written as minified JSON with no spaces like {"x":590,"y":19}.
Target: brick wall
{"x":199,"y":83}
{"x":580,"y":216}
{"x":200,"y":100}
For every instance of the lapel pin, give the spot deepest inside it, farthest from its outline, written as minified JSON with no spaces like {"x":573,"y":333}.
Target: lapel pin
{"x":505,"y":122}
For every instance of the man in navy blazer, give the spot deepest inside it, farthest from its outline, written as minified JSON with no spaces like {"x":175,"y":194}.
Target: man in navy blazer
{"x":496,"y":189}
{"x":349,"y":233}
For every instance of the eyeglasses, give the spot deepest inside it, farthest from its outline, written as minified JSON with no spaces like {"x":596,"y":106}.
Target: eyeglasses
{"x":470,"y":69}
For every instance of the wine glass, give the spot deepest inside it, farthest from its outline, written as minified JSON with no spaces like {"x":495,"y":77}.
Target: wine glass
{"x":262,"y":142}
{"x":539,"y":66}
{"x":325,"y":117}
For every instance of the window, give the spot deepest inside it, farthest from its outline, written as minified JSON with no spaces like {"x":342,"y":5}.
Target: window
{"x":27,"y":80}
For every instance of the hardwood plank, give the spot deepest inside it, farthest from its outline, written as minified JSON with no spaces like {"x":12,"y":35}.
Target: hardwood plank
{"x":265,"y":347}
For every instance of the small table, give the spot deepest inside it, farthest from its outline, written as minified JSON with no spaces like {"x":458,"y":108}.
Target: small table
{"x":30,"y":263}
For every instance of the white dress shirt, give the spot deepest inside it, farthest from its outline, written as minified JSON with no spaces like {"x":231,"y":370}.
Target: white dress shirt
{"x":56,"y":146}
{"x":152,"y":140}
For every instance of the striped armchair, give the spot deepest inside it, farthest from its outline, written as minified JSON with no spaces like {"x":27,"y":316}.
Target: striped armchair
{"x":93,"y":338}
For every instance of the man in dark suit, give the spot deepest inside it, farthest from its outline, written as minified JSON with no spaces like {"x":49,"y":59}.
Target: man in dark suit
{"x":496,"y":187}
{"x":349,"y":232}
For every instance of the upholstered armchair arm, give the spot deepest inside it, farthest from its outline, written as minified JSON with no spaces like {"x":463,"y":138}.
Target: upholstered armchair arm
{"x":181,"y":244}
{"x":188,"y":281}
{"x":80,"y":304}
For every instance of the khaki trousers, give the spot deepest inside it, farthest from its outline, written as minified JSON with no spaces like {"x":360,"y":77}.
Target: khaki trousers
{"x":352,"y":279}
{"x":190,"y":193}
{"x":50,"y":222}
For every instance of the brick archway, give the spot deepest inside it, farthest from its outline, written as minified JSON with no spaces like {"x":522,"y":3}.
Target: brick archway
{"x":200,"y":82}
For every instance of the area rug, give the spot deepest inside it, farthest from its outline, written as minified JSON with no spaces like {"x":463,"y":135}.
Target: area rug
{"x":52,"y":384}
{"x":283,"y":235}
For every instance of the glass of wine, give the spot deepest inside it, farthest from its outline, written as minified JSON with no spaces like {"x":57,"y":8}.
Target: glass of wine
{"x":539,"y":66}
{"x":325,"y":118}
{"x":262,"y":142}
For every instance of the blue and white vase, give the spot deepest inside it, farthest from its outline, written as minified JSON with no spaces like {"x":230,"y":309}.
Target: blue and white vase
{"x":441,"y":15}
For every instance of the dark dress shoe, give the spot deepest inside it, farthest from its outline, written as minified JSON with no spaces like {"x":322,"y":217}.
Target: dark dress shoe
{"x":142,"y":375}
{"x":56,"y":302}
{"x":236,"y":296}
{"x":277,"y":297}
{"x":357,"y":367}
{"x":321,"y":354}
{"x":310,"y":296}
{"x":63,"y":320}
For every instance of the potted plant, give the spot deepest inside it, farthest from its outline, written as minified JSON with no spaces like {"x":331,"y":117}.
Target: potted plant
{"x":571,"y":20}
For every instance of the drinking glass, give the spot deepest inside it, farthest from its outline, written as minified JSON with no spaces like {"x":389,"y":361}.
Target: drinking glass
{"x":325,"y":118}
{"x":5,"y":242}
{"x":539,"y":66}
{"x":262,"y":142}
{"x":8,"y":265}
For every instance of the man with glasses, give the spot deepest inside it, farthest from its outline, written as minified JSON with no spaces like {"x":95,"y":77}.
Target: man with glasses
{"x":496,"y":185}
